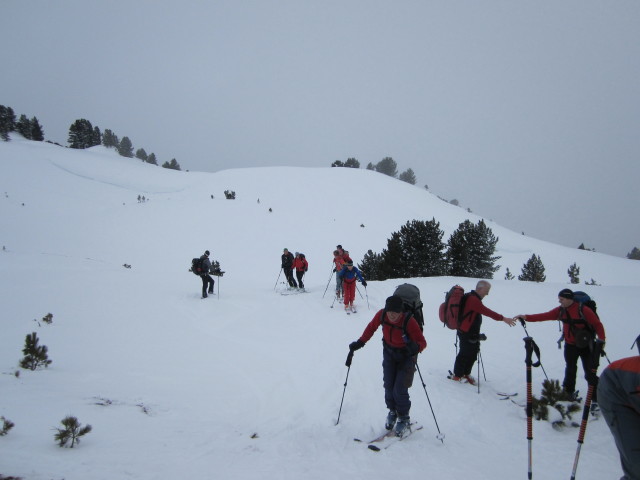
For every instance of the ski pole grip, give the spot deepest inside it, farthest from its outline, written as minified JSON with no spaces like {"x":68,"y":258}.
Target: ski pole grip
{"x":349,"y":358}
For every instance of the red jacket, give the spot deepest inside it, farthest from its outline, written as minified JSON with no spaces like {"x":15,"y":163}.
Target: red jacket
{"x":571,"y":313}
{"x":473,"y":311}
{"x":393,"y":336}
{"x":300,"y":264}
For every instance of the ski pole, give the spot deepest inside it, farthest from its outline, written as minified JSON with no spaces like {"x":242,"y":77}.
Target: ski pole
{"x":348,"y":364}
{"x":219,"y":288}
{"x":522,"y":322}
{"x":359,"y":291}
{"x":334,"y":300}
{"x":274,"y":287}
{"x":325,"y":290}
{"x":367,"y":294}
{"x":587,"y":403}
{"x":440,"y":436}
{"x":530,"y":346}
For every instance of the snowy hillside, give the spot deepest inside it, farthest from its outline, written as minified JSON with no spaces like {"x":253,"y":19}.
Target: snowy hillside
{"x":247,"y":384}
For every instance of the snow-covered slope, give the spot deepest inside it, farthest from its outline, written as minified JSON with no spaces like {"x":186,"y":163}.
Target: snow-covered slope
{"x":248,"y":383}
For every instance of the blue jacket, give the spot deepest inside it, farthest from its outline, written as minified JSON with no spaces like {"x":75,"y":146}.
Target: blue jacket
{"x":350,"y":276}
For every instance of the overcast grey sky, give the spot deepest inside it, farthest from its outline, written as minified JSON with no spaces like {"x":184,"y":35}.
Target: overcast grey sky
{"x":526,"y":112}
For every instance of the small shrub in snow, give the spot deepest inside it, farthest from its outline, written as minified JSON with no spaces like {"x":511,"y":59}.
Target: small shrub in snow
{"x":574,"y":273}
{"x":230,"y":194}
{"x":71,"y":432}
{"x":34,"y":355}
{"x":555,"y":405}
{"x":6,"y":426}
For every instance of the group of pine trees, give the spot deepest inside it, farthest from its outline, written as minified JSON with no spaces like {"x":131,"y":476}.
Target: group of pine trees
{"x":28,"y":128}
{"x":387,"y":166}
{"x":82,"y":134}
{"x":417,"y":250}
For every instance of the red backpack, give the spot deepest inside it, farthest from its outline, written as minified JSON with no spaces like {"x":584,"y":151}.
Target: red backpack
{"x":452,"y":307}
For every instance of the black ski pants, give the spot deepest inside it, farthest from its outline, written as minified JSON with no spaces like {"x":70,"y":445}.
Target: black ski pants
{"x":207,"y":281}
{"x":300,"y":274}
{"x":467,"y":355}
{"x":571,"y":355}
{"x":288,"y":272}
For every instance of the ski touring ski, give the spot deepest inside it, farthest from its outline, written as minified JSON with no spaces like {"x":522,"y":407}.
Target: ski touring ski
{"x":389,"y":437}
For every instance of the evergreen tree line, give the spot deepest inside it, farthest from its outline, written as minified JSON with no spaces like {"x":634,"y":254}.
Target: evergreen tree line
{"x":84,"y":135}
{"x":417,"y":250}
{"x":387,"y":166}
{"x":81,"y":135}
{"x":28,"y":128}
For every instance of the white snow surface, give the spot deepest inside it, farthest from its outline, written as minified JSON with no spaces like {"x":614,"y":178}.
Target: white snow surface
{"x":247,"y":384}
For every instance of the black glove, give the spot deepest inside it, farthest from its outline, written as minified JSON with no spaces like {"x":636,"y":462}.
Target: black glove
{"x":334,"y":270}
{"x":364,"y":283}
{"x":413,"y":348}
{"x":357,"y":345}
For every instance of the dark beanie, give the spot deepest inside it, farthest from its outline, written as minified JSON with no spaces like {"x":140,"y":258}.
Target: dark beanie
{"x":393,"y":304}
{"x":206,"y":252}
{"x":566,"y":293}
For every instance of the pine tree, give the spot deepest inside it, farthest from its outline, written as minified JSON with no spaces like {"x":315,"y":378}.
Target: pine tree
{"x":96,"y":138}
{"x":141,"y":154}
{"x":37,"y":133}
{"x":388,"y":166}
{"x":174,"y":165}
{"x":110,"y":139}
{"x":371,"y":166}
{"x":471,"y":251}
{"x":634,"y":254}
{"x":533,"y":270}
{"x":72,"y":432}
{"x":23,"y":127}
{"x":34,"y":354}
{"x":408,"y":176}
{"x":81,"y":134}
{"x":152,"y":159}
{"x":574,"y":273}
{"x":508,"y":275}
{"x":125,"y":148}
{"x":370,"y":266}
{"x":352,"y":163}
{"x":7,"y":122}
{"x":338,"y":163}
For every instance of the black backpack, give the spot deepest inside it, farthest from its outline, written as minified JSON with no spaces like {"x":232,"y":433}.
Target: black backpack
{"x":197,"y":267}
{"x":411,"y":303}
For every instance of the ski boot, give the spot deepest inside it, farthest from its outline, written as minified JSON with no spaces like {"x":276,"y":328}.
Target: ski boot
{"x":403,"y":426}
{"x":392,"y":416}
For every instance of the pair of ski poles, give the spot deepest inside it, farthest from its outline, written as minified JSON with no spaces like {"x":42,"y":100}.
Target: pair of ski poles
{"x":440,"y":435}
{"x":531,"y":347}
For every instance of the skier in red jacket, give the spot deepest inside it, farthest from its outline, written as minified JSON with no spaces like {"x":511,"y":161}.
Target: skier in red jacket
{"x":469,"y":331}
{"x":301,"y":266}
{"x":578,"y":330}
{"x":400,"y":355}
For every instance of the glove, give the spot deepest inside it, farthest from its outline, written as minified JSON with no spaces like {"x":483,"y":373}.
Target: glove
{"x":364,"y":283}
{"x":413,"y":348}
{"x":357,"y":345}
{"x":334,"y":270}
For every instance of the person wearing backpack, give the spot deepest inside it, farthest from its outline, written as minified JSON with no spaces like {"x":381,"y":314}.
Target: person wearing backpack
{"x":338,"y":262}
{"x":287,"y":266}
{"x":301,"y":266}
{"x":348,"y":275}
{"x":207,"y":281}
{"x":580,"y":325}
{"x":619,"y":392}
{"x":402,"y":340}
{"x":469,"y":331}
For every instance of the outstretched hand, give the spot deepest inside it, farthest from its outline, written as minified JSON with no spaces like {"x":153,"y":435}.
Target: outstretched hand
{"x":509,"y":321}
